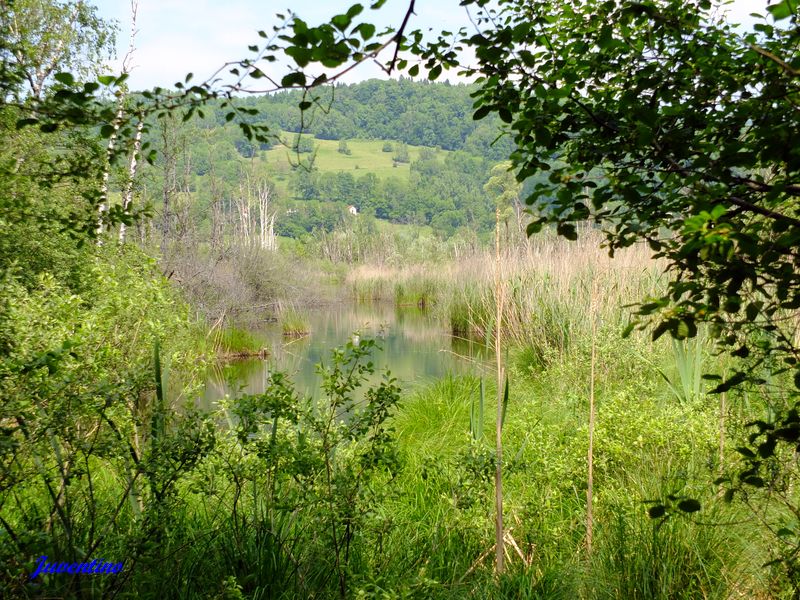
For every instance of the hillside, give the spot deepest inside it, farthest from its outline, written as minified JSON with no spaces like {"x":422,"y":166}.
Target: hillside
{"x":365,"y":156}
{"x":401,"y":151}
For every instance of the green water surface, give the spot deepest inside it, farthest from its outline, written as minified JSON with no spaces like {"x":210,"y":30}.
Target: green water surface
{"x":415,"y":347}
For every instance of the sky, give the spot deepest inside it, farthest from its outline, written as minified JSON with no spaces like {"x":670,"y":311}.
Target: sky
{"x":175,"y":37}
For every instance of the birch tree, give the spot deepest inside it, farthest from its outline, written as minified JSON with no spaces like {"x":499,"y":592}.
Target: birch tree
{"x":47,"y":37}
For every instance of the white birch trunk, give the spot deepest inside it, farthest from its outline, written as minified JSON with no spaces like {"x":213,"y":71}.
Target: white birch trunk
{"x":112,"y":140}
{"x":127,"y":195}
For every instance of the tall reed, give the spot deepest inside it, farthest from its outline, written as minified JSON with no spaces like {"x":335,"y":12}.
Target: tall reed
{"x":547,"y":283}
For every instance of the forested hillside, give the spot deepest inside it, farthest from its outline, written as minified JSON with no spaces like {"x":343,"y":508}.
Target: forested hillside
{"x":403,"y":151}
{"x":418,"y":113}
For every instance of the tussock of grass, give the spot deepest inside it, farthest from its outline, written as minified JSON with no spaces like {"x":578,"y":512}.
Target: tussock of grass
{"x":233,"y":342}
{"x":294,"y":324}
{"x":418,"y":291}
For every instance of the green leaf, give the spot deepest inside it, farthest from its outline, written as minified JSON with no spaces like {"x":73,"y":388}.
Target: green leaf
{"x":729,"y":383}
{"x":25,"y":122}
{"x":746,"y":452}
{"x":767,"y":449}
{"x":690,"y":505}
{"x":367,"y":30}
{"x":355,"y":10}
{"x":481,"y":113}
{"x":293,"y":80}
{"x":741,"y":352}
{"x":656,"y":512}
{"x":567,"y":230}
{"x":505,"y":404}
{"x":754,"y":480}
{"x":781,"y":10}
{"x":65,"y":78}
{"x":604,"y":40}
{"x":341,"y":22}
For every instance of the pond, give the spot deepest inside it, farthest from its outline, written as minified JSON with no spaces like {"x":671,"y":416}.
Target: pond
{"x":416,"y":347}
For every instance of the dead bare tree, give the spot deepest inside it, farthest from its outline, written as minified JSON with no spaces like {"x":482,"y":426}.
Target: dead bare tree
{"x":244,"y":224}
{"x":266,"y":218}
{"x":169,"y":152}
{"x":217,"y":212}
{"x":183,"y":221}
{"x":256,"y":219}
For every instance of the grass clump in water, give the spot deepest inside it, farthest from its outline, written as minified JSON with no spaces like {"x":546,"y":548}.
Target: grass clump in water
{"x":419,"y":292}
{"x":232,"y":341}
{"x":294,"y":324}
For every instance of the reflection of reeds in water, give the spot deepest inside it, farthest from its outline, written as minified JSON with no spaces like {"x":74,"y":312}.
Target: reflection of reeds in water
{"x":381,"y":319}
{"x":246,"y":375}
{"x":547,"y":283}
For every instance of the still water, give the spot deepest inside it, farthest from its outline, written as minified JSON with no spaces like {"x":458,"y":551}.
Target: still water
{"x":416,"y":348}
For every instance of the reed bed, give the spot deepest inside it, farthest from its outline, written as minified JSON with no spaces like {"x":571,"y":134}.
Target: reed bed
{"x":547,"y":284}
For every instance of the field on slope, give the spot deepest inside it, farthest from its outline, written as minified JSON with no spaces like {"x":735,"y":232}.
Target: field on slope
{"x":366,"y":156}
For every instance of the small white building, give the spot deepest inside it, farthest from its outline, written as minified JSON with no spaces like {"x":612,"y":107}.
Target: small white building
{"x":352,"y":210}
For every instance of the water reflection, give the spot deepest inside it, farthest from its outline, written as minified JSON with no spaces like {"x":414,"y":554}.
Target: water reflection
{"x":416,"y":349}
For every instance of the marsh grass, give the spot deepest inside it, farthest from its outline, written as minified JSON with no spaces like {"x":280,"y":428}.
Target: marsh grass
{"x":293,"y":323}
{"x":645,"y":449}
{"x":548,"y":283}
{"x":234,"y":342}
{"x":421,"y":291}
{"x":689,"y":362}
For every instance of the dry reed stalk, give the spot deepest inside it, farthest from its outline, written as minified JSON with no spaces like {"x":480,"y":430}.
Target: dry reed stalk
{"x":498,"y":328}
{"x":590,"y":483}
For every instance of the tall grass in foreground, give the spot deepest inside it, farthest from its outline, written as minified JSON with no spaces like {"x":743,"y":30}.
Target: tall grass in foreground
{"x":645,"y":448}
